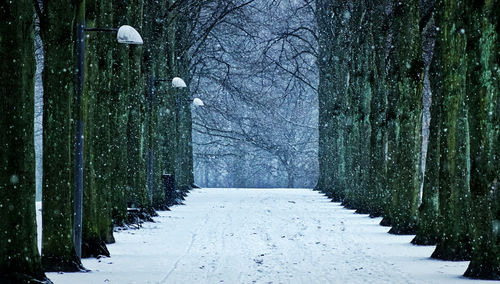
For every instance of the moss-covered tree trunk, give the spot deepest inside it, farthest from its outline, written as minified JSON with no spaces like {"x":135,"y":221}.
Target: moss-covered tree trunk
{"x":483,"y":95}
{"x":408,"y":79}
{"x":333,"y":43}
{"x":184,"y":40}
{"x":454,"y":166}
{"x":97,"y":225}
{"x":427,"y":226}
{"x":427,"y":231}
{"x":156,"y":68}
{"x":57,"y":30}
{"x":19,"y":258}
{"x":377,"y":186}
{"x":136,"y":124}
{"x":358,"y":109}
{"x":119,"y":104}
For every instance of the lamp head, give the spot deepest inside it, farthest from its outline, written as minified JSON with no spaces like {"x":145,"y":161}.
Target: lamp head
{"x":178,"y":83}
{"x":198,"y":102}
{"x":128,"y":35}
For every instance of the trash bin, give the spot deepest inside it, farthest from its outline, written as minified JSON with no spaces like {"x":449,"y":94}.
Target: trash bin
{"x":169,"y":187}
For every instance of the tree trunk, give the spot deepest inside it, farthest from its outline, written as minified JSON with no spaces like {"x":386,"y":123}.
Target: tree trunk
{"x":427,"y":226}
{"x":454,"y":166}
{"x":483,"y":95}
{"x":19,"y":258}
{"x":427,"y":231}
{"x":377,"y":187}
{"x":97,"y":225}
{"x":119,"y":103}
{"x":408,"y":79}
{"x":57,"y":30}
{"x":333,"y":42}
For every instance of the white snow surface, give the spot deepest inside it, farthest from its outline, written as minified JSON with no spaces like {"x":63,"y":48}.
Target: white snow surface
{"x":264,"y":236}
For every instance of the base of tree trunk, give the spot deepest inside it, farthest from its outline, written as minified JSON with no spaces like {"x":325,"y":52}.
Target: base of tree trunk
{"x":483,"y":271}
{"x":16,"y":278}
{"x":376,"y":214}
{"x":363,"y":210}
{"x":454,"y":251}
{"x":406,"y":230}
{"x":331,"y":194}
{"x":94,"y":248}
{"x":110,"y":238}
{"x":386,"y":222}
{"x":56,"y":264}
{"x":162,"y":207}
{"x":422,"y":240}
{"x":348,"y":205}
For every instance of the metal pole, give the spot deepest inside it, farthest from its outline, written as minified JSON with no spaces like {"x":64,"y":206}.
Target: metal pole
{"x":177,"y":140}
{"x":150,"y":148}
{"x":80,"y":77}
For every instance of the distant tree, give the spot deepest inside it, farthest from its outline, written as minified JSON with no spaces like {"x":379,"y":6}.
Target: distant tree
{"x":19,"y":257}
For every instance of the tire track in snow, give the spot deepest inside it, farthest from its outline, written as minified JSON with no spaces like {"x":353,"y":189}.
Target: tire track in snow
{"x":193,"y":237}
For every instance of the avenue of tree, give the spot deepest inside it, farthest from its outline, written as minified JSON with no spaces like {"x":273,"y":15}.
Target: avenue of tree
{"x":379,"y":61}
{"x":408,"y":96}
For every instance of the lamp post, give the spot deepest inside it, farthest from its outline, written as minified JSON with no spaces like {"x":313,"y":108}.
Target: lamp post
{"x":126,"y":35}
{"x":177,"y":83}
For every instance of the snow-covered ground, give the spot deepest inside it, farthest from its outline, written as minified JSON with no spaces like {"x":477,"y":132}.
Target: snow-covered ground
{"x":264,"y":236}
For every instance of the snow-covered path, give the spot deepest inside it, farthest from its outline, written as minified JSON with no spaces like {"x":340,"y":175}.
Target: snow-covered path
{"x":264,"y":236}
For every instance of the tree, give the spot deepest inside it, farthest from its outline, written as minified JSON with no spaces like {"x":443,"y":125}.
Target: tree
{"x":259,"y":126}
{"x":333,"y":63}
{"x":57,"y":32}
{"x":427,"y":225}
{"x":19,"y":257}
{"x":454,"y":163}
{"x":377,"y":187}
{"x":97,"y":225}
{"x":483,"y":101}
{"x":405,"y":109}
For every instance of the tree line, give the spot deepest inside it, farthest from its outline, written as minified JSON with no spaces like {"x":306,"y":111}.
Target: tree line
{"x":380,"y":62}
{"x":132,"y":119}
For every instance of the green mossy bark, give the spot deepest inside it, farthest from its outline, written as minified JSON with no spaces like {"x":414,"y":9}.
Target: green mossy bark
{"x":19,"y":257}
{"x":483,"y":47}
{"x":57,"y":31}
{"x":332,"y":90}
{"x":427,"y":225}
{"x":119,"y":102}
{"x":377,"y":186}
{"x":97,"y":225}
{"x":184,"y":40}
{"x":408,"y":80}
{"x":427,"y":230}
{"x":136,"y":125}
{"x":454,"y":241}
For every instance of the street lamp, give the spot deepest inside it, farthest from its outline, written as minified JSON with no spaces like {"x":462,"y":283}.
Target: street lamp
{"x":198,"y":102}
{"x":125,"y":34}
{"x":176,"y":83}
